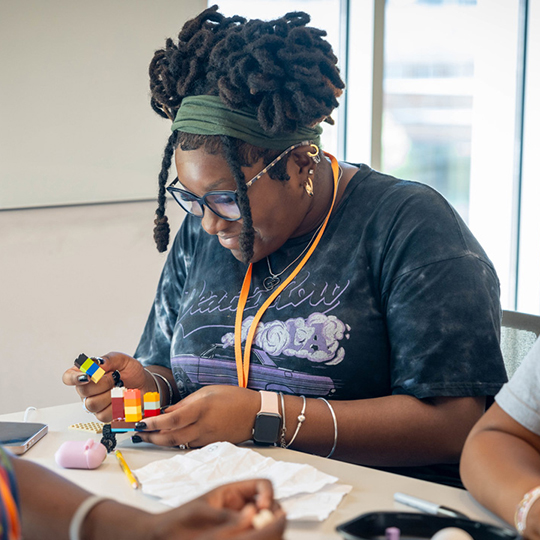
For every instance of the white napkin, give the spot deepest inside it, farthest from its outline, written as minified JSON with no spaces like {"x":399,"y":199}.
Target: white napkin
{"x":304,"y":492}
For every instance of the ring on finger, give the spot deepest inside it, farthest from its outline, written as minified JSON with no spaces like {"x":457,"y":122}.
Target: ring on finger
{"x":84,"y":405}
{"x":184,"y":446}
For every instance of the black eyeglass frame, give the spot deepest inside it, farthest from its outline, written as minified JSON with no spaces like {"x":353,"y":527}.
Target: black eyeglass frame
{"x":201,"y":201}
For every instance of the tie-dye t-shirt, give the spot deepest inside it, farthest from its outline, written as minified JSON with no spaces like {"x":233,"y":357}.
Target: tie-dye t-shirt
{"x":397,"y":298}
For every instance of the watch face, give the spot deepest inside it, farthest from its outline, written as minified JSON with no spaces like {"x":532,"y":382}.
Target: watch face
{"x":267,"y":428}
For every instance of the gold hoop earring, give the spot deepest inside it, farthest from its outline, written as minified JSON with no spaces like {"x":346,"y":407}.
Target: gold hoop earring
{"x":315,"y":154}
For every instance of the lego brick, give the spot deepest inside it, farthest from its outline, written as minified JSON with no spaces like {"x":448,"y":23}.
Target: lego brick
{"x":91,"y":368}
{"x":80,"y":360}
{"x":89,"y":427}
{"x":88,"y":366}
{"x":132,"y":402}
{"x":97,"y":375}
{"x":121,"y":426}
{"x":133,"y":414}
{"x":118,"y":392}
{"x":132,"y":409}
{"x":151,"y":406}
{"x":151,"y":401}
{"x":151,"y":412}
{"x":117,"y":401}
{"x":132,"y":393}
{"x":117,"y":408}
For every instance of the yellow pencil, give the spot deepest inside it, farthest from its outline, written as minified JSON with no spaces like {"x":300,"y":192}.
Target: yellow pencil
{"x":127,"y":471}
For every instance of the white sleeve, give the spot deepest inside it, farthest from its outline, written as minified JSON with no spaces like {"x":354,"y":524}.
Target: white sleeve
{"x":520,"y":397}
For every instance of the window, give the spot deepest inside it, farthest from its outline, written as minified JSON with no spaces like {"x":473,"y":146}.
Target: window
{"x":445,"y":92}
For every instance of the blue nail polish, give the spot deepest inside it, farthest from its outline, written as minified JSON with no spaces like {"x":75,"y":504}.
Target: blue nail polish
{"x":136,"y":439}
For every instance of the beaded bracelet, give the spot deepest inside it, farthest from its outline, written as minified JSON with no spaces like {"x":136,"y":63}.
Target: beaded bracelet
{"x":522,"y":509}
{"x":301,"y":420}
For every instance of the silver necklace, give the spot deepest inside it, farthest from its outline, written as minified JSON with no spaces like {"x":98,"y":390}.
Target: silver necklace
{"x":270,"y":282}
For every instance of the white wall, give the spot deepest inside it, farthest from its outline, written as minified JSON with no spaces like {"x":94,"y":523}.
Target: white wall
{"x":77,"y":127}
{"x":73,"y":279}
{"x":74,"y":99}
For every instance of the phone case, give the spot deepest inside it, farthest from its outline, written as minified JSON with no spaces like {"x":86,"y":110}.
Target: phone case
{"x":18,"y":437}
{"x":414,"y":526}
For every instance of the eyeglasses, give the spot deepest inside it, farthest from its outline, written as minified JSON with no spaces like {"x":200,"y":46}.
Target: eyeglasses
{"x":224,"y":204}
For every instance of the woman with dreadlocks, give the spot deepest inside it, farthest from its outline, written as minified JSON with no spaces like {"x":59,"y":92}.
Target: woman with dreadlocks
{"x":306,"y":303}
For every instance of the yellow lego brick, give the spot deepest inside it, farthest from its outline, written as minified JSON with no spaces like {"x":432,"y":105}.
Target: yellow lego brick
{"x":87,"y":364}
{"x":151,"y":396}
{"x":98,"y":374}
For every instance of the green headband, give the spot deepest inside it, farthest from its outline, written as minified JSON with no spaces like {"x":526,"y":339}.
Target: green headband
{"x":207,"y":115}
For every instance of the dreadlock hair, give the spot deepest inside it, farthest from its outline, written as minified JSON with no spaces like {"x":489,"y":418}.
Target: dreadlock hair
{"x":282,"y":69}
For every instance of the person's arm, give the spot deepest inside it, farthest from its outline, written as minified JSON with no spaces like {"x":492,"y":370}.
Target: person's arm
{"x":48,"y":503}
{"x":393,"y":430}
{"x":500,"y":464}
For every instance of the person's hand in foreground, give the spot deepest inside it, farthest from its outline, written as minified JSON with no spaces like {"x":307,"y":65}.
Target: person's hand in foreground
{"x":224,"y":512}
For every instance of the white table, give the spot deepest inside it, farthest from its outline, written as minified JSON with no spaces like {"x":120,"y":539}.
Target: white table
{"x":372,"y":490}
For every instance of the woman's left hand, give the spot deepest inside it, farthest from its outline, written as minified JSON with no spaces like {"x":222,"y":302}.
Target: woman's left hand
{"x":212,"y":413}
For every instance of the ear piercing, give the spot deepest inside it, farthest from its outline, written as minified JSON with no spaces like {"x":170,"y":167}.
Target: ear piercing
{"x":308,"y":186}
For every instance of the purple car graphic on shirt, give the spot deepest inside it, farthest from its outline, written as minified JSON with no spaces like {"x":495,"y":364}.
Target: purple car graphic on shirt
{"x":216,"y":366}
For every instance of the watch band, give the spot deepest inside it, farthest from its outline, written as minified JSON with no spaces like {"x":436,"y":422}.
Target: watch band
{"x":269,"y":402}
{"x":268,"y":420}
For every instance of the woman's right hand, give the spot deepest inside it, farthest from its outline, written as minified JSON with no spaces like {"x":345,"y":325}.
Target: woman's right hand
{"x":97,"y":396}
{"x":225,"y":512}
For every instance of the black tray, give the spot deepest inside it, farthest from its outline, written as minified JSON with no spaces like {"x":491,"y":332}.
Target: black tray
{"x":414,"y":526}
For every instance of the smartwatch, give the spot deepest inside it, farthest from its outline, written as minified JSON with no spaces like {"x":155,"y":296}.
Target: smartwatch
{"x":268,"y":421}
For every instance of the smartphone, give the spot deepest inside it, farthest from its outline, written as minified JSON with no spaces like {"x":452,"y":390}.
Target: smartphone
{"x":18,"y":437}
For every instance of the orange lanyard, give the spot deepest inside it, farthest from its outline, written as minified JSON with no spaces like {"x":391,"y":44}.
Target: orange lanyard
{"x":242,"y":366}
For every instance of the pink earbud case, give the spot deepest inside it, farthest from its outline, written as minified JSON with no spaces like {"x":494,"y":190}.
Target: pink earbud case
{"x":80,"y":454}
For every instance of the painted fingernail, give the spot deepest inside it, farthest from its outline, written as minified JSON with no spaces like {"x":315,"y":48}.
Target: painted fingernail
{"x":82,"y":378}
{"x":116,"y":379}
{"x":140,"y":425}
{"x":136,"y":439}
{"x":99,"y":360}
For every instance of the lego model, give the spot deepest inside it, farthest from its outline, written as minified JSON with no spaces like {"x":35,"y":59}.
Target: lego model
{"x":88,"y":366}
{"x":127,"y":410}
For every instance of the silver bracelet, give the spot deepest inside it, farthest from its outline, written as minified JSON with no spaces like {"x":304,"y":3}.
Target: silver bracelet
{"x":168,"y":386}
{"x":156,"y":381}
{"x":301,"y":420}
{"x":80,"y":515}
{"x":282,"y":441}
{"x":335,"y":426}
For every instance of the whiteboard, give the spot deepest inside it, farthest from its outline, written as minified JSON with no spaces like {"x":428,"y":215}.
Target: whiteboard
{"x":75,"y":115}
